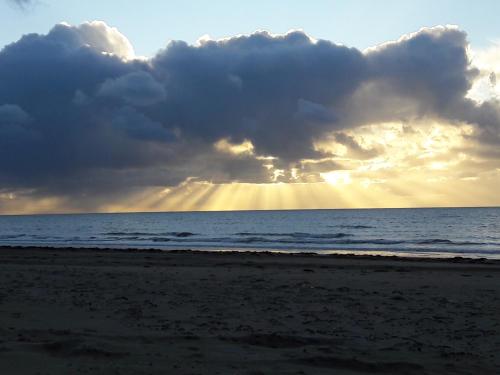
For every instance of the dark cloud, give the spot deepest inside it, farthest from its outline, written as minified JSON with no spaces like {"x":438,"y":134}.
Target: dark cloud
{"x":493,"y":79}
{"x":80,"y":115}
{"x":259,"y":87}
{"x":424,"y":74}
{"x":137,"y":88}
{"x":431,"y":67}
{"x":354,"y":147}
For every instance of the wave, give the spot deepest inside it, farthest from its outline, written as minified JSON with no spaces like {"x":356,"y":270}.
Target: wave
{"x":434,"y":241}
{"x":128,"y":234}
{"x":378,"y":241}
{"x":297,"y":235}
{"x":270,"y":240}
{"x":175,"y":234}
{"x":160,"y":239}
{"x":10,"y":236}
{"x":182,"y":234}
{"x":352,"y":226}
{"x":281,"y":241}
{"x":276,"y":239}
{"x":437,"y":241}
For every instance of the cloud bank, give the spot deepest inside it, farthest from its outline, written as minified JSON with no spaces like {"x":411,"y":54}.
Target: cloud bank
{"x":81,"y":116}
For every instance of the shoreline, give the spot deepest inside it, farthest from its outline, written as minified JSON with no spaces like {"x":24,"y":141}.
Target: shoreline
{"x":105,"y":311}
{"x":261,"y":253}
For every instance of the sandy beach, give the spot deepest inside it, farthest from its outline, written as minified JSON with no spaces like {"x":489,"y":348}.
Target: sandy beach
{"x":88,"y":311}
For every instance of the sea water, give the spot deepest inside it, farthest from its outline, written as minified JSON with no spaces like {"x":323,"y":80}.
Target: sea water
{"x":434,"y":232}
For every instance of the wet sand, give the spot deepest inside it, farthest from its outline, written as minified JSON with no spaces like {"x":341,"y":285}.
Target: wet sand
{"x":137,"y":312}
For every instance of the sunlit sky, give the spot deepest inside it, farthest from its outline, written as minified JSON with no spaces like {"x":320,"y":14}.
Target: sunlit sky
{"x":360,"y":23}
{"x":112,"y":116}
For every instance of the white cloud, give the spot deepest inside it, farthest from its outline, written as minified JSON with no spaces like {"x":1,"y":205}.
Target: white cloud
{"x":486,"y":86}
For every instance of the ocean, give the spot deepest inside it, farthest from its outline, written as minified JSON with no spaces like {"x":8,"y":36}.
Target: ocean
{"x":429,"y":232}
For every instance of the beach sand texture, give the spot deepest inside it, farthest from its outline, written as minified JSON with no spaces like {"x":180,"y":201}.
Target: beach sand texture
{"x":132,"y":312}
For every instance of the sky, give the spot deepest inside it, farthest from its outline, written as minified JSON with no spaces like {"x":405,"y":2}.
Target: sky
{"x":151,"y":23}
{"x":196,"y":105}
